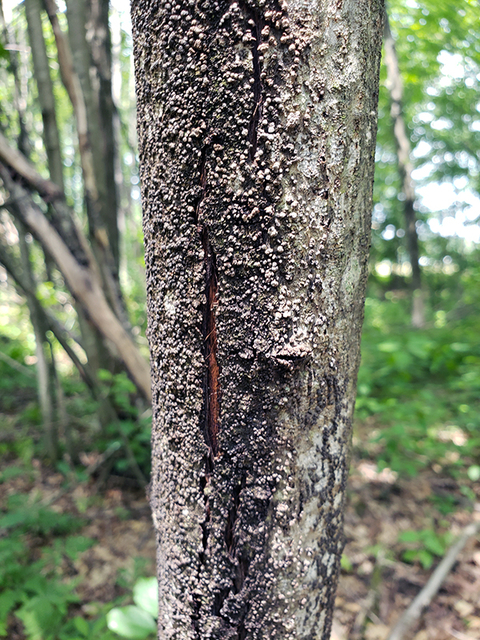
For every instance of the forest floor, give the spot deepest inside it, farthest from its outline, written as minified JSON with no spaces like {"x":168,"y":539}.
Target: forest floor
{"x":376,"y":583}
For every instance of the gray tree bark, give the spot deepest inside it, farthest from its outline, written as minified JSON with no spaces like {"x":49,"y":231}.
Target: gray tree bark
{"x":257,"y":125}
{"x":45,"y":363}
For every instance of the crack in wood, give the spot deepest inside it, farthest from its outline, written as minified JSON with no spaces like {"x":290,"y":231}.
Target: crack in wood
{"x":212,"y":386}
{"x":233,"y":516}
{"x":242,"y":563}
{"x":211,"y":408}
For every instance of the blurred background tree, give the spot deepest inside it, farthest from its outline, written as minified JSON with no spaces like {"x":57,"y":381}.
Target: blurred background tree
{"x":67,"y":150}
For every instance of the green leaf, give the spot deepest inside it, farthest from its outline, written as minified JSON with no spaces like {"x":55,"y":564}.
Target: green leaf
{"x":11,"y":472}
{"x":346,"y":564}
{"x":434,"y":544}
{"x":409,"y":536}
{"x":425,"y":558}
{"x":77,"y":544}
{"x":460,"y":347}
{"x":8,"y":599}
{"x":410,"y":556}
{"x":4,"y":55}
{"x":14,"y":519}
{"x":104,"y":375}
{"x":145,"y":595}
{"x":389,"y":347}
{"x":82,"y":626}
{"x":39,"y":617}
{"x":474,"y":472}
{"x":131,"y":622}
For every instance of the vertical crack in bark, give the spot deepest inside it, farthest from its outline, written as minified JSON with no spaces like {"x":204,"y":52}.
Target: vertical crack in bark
{"x":233,"y":516}
{"x":211,"y":408}
{"x":255,"y":24}
{"x":212,"y":387}
{"x":242,"y":563}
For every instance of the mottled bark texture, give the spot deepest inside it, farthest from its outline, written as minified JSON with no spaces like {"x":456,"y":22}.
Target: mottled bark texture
{"x":257,"y":126}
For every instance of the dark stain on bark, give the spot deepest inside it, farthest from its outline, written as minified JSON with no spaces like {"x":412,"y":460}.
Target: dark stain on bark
{"x":232,"y":517}
{"x":242,"y":563}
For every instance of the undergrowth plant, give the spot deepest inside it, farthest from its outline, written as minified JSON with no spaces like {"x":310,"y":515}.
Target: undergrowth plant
{"x":420,"y":388}
{"x":138,"y":621}
{"x":424,"y":546}
{"x":34,"y":541}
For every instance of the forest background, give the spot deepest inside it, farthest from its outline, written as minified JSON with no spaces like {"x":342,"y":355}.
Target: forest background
{"x":75,"y":535}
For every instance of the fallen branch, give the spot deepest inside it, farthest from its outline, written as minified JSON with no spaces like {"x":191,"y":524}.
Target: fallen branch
{"x":429,"y":591}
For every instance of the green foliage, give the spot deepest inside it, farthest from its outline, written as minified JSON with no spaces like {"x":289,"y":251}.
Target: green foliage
{"x":120,"y":388}
{"x":11,"y":472}
{"x":445,"y":504}
{"x":438,"y":47}
{"x":4,"y":55}
{"x":420,"y":388}
{"x":31,"y":587}
{"x":25,"y":515}
{"x":133,"y":430}
{"x":424,"y":546}
{"x":27,"y":587}
{"x":346,"y":564}
{"x":137,"y":621}
{"x":17,"y":385}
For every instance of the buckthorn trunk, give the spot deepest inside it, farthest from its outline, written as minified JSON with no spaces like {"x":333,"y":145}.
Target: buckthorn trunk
{"x":257,"y":124}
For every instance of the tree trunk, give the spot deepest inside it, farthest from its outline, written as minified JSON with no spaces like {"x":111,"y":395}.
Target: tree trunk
{"x":257,"y":134}
{"x":99,"y":109}
{"x":405,"y":168}
{"x":101,"y":70}
{"x":45,"y":363}
{"x":99,"y":196}
{"x":73,"y":260}
{"x":41,"y":68}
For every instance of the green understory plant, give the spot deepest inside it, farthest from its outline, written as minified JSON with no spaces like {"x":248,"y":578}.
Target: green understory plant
{"x":35,"y":542}
{"x":420,"y":388}
{"x":424,"y":546}
{"x":137,"y":621}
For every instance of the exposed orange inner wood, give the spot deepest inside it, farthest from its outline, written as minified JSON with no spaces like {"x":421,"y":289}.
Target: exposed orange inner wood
{"x":210,"y":333}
